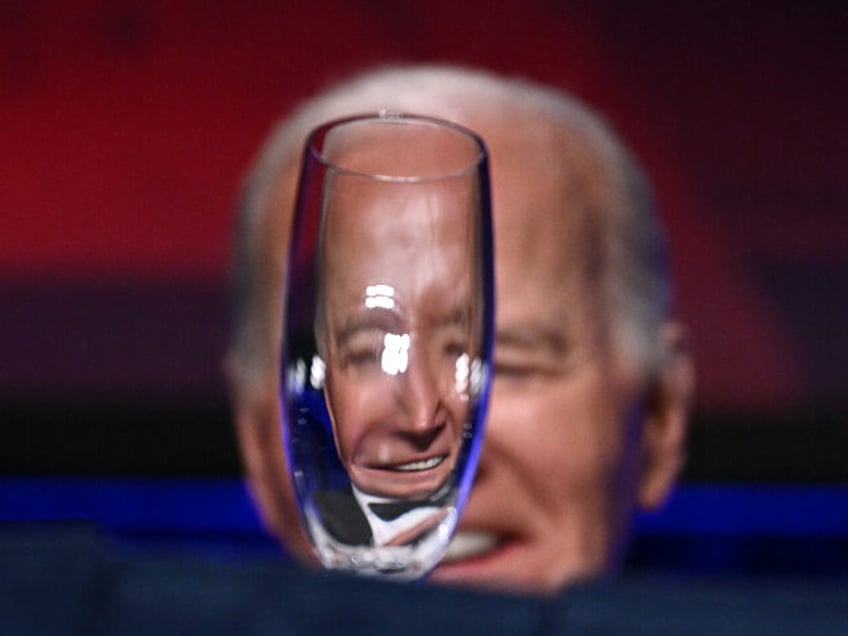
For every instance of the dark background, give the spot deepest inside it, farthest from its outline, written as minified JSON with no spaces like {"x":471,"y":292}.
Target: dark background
{"x":125,"y":128}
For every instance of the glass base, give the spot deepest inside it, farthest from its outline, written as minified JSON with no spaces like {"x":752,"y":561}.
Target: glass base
{"x":404,"y":563}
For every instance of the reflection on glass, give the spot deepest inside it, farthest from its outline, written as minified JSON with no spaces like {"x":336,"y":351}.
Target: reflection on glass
{"x":387,"y":338}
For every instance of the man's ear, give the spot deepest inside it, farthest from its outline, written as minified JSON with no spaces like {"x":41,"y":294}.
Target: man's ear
{"x":667,"y":418}
{"x":256,"y":413}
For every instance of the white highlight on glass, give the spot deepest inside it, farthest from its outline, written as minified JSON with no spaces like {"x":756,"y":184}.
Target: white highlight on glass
{"x":479,"y":372}
{"x":381,"y":296}
{"x":395,"y":358}
{"x":462,"y":371}
{"x":296,"y":377}
{"x":316,"y":372}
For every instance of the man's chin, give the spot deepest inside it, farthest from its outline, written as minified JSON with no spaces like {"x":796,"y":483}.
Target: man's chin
{"x":475,"y":559}
{"x":501,"y":563}
{"x":470,"y":544}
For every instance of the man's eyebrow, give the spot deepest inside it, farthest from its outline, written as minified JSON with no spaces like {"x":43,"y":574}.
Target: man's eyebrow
{"x":372,"y":320}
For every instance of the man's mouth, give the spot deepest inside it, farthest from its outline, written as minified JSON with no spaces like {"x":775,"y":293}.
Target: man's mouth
{"x":469,"y":544}
{"x":423,"y":464}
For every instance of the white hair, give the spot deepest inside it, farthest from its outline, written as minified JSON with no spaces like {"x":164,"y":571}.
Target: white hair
{"x":633,"y":254}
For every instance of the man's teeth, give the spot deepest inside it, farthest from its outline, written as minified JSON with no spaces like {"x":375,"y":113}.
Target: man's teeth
{"x":424,"y":464}
{"x":470,"y":544}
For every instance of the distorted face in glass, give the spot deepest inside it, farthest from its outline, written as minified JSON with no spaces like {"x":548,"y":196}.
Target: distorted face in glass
{"x":396,"y":333}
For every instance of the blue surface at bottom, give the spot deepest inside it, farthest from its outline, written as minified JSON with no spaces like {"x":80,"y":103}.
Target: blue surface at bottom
{"x":726,"y":528}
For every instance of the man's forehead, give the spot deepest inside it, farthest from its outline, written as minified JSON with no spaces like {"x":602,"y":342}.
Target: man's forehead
{"x":394,"y":216}
{"x":547,"y":192}
{"x":547,"y":197}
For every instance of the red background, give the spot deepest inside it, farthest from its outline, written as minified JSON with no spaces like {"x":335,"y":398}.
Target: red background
{"x":125,"y":128}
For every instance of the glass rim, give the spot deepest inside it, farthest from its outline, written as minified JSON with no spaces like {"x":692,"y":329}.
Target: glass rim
{"x":398,"y":117}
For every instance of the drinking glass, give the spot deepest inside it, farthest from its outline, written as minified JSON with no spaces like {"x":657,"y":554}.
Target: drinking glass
{"x":387,"y":338}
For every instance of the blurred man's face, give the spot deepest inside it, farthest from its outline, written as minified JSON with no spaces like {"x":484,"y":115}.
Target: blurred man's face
{"x":398,"y":305}
{"x":553,"y":490}
{"x":572,"y":440}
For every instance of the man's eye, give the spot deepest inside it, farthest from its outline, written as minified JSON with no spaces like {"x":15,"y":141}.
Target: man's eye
{"x":453,"y":341}
{"x":362,"y":350}
{"x":519,"y":371}
{"x":362,"y":356}
{"x":456,"y":348}
{"x":512,"y":370}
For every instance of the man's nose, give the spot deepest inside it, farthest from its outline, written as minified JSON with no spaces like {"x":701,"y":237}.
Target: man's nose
{"x":421,"y":398}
